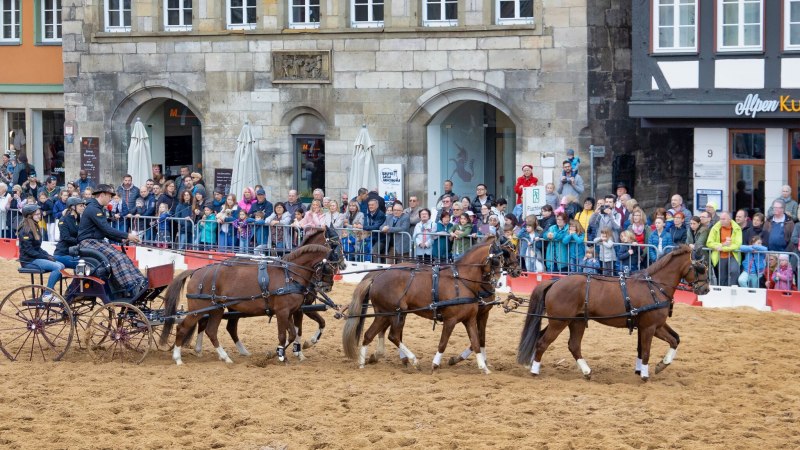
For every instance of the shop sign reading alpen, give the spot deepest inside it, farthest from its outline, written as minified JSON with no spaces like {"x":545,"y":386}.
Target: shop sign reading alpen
{"x":753,"y":105}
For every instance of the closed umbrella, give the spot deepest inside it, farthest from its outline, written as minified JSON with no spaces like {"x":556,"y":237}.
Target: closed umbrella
{"x":140,"y":162}
{"x":364,"y":169}
{"x":246,"y":169}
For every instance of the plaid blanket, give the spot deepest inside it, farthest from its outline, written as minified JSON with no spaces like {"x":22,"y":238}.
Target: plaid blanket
{"x":122,"y":269}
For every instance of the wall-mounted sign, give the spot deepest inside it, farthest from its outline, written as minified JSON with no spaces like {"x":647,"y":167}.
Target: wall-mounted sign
{"x":90,"y":157}
{"x":390,"y":181}
{"x":704,"y":196}
{"x":533,"y":198}
{"x":710,"y":171}
{"x":297,"y":66}
{"x":222,"y":179}
{"x":753,"y":104}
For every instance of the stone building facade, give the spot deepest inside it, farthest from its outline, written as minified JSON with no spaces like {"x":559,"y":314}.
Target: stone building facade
{"x":471,"y":98}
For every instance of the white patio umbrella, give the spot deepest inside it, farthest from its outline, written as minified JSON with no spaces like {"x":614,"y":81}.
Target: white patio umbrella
{"x":140,"y":162}
{"x":364,"y":169}
{"x":246,"y":169}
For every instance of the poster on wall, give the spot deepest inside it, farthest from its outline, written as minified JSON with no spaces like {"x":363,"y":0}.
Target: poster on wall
{"x":90,"y":157}
{"x":533,"y":198}
{"x":222,"y":178}
{"x":703,"y":196}
{"x":390,"y":182}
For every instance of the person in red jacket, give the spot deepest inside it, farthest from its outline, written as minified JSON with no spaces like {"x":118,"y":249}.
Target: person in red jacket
{"x":527,"y":179}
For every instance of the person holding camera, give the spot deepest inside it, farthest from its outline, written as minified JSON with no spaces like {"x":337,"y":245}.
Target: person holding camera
{"x":606,"y":219}
{"x":571,"y":183}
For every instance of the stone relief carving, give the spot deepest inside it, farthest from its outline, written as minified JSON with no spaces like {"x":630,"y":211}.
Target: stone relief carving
{"x":301,"y":67}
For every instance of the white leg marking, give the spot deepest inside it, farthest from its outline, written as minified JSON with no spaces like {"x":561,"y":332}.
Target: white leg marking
{"x":223,"y":356}
{"x":645,"y":371}
{"x":380,"y":349}
{"x":466,"y":353}
{"x":317,"y":335}
{"x":670,"y":356}
{"x":536,"y":367}
{"x":482,"y":364}
{"x":639,"y":365}
{"x":401,"y":353}
{"x":410,"y":355}
{"x":437,"y":359}
{"x":362,"y":357}
{"x":242,"y":349}
{"x":198,"y":345}
{"x":584,"y":367}
{"x":483,"y":352}
{"x":176,"y":355}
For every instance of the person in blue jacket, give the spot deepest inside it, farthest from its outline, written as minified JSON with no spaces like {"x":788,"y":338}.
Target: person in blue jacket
{"x":574,"y":240}
{"x":660,"y":239}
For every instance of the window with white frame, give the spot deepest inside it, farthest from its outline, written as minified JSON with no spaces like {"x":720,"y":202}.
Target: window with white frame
{"x":177,"y":15}
{"x":366,"y":13}
{"x":675,"y":25}
{"x":241,"y":14}
{"x":304,"y":14}
{"x":740,"y":25}
{"x":791,"y":27}
{"x":514,"y":12}
{"x":118,"y":15}
{"x":9,"y":20}
{"x":440,"y":13}
{"x":51,"y":20}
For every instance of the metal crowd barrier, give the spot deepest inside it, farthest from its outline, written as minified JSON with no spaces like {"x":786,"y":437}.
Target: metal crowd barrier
{"x":758,"y":279}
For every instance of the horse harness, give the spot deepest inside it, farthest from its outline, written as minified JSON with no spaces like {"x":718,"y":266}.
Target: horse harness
{"x":291,"y":286}
{"x":437,"y":304}
{"x":632,"y":314}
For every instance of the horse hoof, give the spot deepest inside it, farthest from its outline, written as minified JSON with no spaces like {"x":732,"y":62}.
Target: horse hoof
{"x":661,"y":366}
{"x":645,"y":379}
{"x":281,"y":359}
{"x":360,"y":366}
{"x":486,"y":371}
{"x":534,"y":375}
{"x":373,"y":359}
{"x":228,"y":361}
{"x":308,"y":344}
{"x":434,"y":367}
{"x":637,"y":372}
{"x":300,"y":356}
{"x":454,"y":360}
{"x":587,"y":376}
{"x":178,"y":362}
{"x":404,"y":361}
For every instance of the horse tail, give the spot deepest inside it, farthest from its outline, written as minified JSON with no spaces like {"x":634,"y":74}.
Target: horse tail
{"x":354,"y":325}
{"x":533,"y":324}
{"x":171,"y":299}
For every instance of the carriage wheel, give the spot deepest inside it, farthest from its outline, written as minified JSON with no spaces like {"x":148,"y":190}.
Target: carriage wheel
{"x":82,"y":310}
{"x":31,"y":328}
{"x":119,"y":332}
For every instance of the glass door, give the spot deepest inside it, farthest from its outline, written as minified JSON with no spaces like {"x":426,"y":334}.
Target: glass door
{"x":309,"y":165}
{"x":747,"y":170}
{"x":794,"y":163}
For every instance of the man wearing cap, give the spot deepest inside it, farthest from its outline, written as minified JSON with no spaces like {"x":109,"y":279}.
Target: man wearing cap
{"x":50,"y":187}
{"x":94,"y":227}
{"x":448,"y":192}
{"x":526,"y":180}
{"x":261,"y":204}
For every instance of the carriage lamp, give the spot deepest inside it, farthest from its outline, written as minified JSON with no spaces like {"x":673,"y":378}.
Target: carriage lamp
{"x":82,"y":269}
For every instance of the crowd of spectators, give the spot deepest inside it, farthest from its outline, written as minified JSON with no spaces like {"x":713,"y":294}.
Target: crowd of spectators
{"x":573,"y":233}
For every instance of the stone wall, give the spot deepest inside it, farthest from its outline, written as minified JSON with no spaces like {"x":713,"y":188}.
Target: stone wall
{"x":663,"y":156}
{"x":394,"y":80}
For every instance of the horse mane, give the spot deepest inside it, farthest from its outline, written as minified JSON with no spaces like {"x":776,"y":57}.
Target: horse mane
{"x":311,"y":235}
{"x":664,"y":260}
{"x":306,"y":249}
{"x":475,"y":247}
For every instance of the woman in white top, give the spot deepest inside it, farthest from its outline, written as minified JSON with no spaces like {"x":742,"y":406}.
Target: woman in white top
{"x":332,"y":217}
{"x":424,"y":235}
{"x":279,"y":221}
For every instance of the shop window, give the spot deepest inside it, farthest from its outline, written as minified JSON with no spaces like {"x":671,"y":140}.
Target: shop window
{"x":514,"y":12}
{"x":241,"y":14}
{"x":366,"y":13}
{"x":747,"y":175}
{"x":53,"y":144}
{"x":309,"y":164}
{"x":9,"y":20}
{"x":303,"y":13}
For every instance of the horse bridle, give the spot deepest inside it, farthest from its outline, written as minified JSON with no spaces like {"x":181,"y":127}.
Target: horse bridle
{"x":331,"y":262}
{"x":698,"y":268}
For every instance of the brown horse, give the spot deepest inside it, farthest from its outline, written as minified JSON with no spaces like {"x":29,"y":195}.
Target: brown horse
{"x":242,"y":286}
{"x":318,"y":236}
{"x":572,"y":300}
{"x":406,"y":288}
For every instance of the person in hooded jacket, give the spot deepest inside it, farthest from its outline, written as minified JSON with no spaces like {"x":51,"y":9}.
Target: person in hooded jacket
{"x":68,"y":229}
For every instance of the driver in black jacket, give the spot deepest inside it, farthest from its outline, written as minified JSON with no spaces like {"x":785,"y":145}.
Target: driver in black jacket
{"x":94,"y":227}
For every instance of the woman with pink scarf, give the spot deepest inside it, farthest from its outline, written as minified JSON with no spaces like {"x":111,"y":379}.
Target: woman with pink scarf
{"x":248,"y":200}
{"x":314,"y":216}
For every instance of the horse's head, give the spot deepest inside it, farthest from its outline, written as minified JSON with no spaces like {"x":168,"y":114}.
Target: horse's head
{"x":495,"y":262}
{"x":696,"y":274}
{"x":510,"y":257}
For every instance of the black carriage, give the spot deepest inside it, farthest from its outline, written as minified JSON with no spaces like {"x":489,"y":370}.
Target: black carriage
{"x":37,"y":322}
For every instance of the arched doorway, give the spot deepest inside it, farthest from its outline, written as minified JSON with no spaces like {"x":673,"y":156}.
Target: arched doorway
{"x":471,"y":142}
{"x":307,"y":132}
{"x":175,"y":134}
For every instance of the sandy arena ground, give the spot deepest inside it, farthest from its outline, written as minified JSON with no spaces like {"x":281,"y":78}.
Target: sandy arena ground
{"x":733,"y":385}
